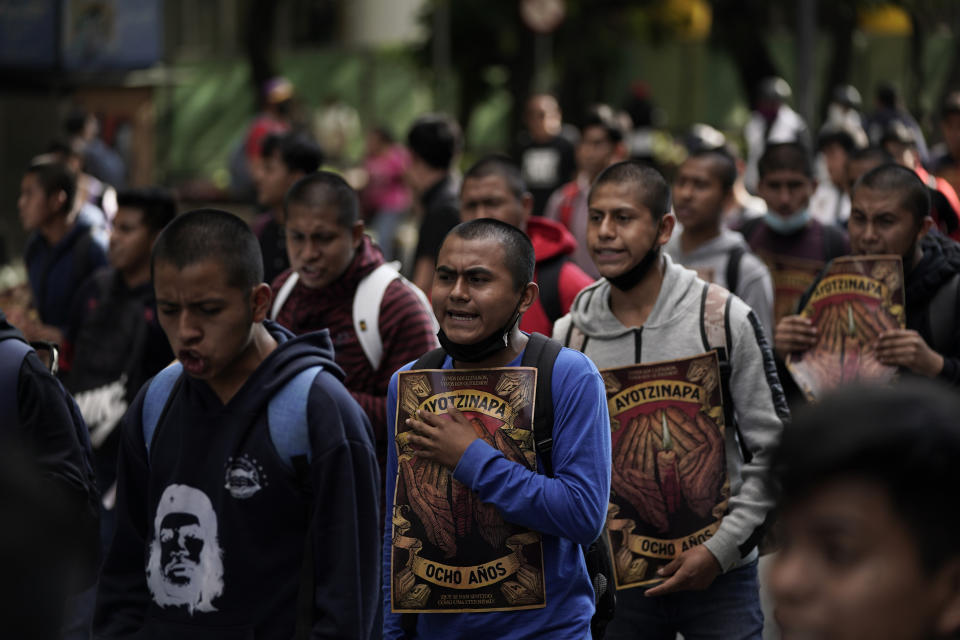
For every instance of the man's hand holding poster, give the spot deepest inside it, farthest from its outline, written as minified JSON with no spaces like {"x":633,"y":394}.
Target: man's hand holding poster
{"x":669,"y":486}
{"x":452,"y":552}
{"x":858,"y":299}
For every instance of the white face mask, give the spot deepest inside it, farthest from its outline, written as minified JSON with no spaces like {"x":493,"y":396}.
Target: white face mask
{"x":788,"y":225}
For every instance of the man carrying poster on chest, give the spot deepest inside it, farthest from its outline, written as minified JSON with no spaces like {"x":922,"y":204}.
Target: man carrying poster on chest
{"x":483,"y":284}
{"x":673,"y":464}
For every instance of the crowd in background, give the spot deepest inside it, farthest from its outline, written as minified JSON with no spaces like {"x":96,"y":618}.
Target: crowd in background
{"x":760,"y":219}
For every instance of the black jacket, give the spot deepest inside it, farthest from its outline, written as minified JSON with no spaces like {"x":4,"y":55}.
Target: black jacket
{"x":936,"y":270}
{"x":197,"y":556}
{"x":47,"y":426}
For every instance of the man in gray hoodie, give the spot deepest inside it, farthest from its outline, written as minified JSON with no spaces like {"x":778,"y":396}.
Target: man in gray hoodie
{"x":702,"y":191}
{"x":648,"y":309}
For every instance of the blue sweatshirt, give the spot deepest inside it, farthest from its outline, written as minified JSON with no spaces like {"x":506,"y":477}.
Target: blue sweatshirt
{"x":569,"y":509}
{"x":212,"y":523}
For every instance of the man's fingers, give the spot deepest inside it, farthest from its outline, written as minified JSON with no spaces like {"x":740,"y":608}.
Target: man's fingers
{"x":422,"y":447}
{"x":416,"y":426}
{"x":426,"y":417}
{"x":671,"y":584}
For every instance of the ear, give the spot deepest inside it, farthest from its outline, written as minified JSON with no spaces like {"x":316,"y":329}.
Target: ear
{"x":260,"y":299}
{"x":620,"y":153}
{"x":530,"y":293}
{"x":667,"y":223}
{"x":356,"y":234}
{"x":948,"y":616}
{"x":56,"y":201}
{"x":925,"y":227}
{"x":527,"y":202}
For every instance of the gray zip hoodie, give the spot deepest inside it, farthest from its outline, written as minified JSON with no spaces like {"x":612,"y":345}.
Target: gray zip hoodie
{"x":754,"y":284}
{"x":673,"y":330}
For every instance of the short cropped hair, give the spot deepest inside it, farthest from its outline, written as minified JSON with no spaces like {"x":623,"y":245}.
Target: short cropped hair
{"x":435,"y":139}
{"x":652,"y":190}
{"x":914,"y":195}
{"x":905,"y":438}
{"x":785,"y":156}
{"x":516,"y":245}
{"x":876,"y":154}
{"x":270,"y":144}
{"x":55,"y":177}
{"x":299,"y":153}
{"x":204,"y":234}
{"x":724,"y":165}
{"x":497,"y":164}
{"x":157,"y":205}
{"x":325,"y":188}
{"x":602,"y":116}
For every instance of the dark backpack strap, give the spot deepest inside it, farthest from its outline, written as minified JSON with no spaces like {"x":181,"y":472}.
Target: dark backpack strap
{"x":833,"y":243}
{"x":542,"y":352}
{"x":81,"y":256}
{"x":548,"y":279}
{"x":942,"y":313}
{"x":12,"y":353}
{"x":748,"y":227}
{"x":734,"y":257}
{"x":431,"y":359}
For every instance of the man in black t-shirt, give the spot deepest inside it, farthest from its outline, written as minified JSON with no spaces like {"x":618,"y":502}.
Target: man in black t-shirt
{"x":546,"y":158}
{"x":434,"y":142}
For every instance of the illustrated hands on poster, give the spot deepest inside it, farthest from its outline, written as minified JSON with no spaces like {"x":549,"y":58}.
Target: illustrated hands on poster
{"x":442,"y":439}
{"x":634,"y":473}
{"x":906,"y":348}
{"x":693,"y":570}
{"x":426,"y":485}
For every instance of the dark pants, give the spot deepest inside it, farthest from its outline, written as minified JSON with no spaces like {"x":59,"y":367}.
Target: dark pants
{"x":728,"y":610}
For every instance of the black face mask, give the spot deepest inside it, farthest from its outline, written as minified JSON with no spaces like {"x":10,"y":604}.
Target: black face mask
{"x":629,"y":279}
{"x":496,"y":341}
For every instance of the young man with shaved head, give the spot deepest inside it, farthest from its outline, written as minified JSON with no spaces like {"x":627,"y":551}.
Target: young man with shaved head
{"x":648,"y":309}
{"x":247,"y":473}
{"x":483,"y":285}
{"x":890,"y":214}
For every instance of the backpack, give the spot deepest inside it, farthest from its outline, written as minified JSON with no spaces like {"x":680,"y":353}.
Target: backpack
{"x":13,"y":352}
{"x":732,"y":275}
{"x":287,"y":421}
{"x":542,"y":352}
{"x":548,"y":277}
{"x":366,"y":306}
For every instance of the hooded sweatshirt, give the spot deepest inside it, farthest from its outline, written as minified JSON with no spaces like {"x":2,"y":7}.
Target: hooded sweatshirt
{"x":551,"y":241}
{"x":754,"y":285}
{"x":673,"y":330}
{"x":198,"y":554}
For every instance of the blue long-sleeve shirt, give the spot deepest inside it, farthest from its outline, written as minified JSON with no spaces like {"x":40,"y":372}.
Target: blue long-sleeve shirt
{"x":568,"y":509}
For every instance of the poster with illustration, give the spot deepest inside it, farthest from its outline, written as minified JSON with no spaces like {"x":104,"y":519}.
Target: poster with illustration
{"x":858,"y":298}
{"x":669,"y":487}
{"x":791,"y":279}
{"x":450,"y":551}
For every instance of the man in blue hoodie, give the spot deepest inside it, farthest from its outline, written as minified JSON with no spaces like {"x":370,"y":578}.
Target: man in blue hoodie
{"x":483,"y":284}
{"x":245,"y":532}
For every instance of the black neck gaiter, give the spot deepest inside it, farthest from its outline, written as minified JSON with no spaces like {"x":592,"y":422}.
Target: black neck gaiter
{"x":630,"y":278}
{"x":496,"y":341}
